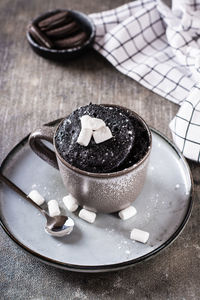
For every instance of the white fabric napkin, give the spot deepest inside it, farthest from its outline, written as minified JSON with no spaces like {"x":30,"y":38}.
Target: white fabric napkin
{"x":159,"y":47}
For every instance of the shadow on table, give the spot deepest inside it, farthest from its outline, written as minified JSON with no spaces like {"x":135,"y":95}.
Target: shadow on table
{"x":89,"y":60}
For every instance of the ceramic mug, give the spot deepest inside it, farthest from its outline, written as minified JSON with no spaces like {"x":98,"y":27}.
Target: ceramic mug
{"x":99,"y":192}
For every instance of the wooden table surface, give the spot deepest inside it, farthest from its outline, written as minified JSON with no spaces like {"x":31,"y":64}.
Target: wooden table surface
{"x":34,"y":91}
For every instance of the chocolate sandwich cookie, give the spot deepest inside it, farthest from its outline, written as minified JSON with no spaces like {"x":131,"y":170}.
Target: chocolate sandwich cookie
{"x":97,"y":158}
{"x":39,"y":37}
{"x":63,"y":31}
{"x":71,"y":42}
{"x":56,"y":20}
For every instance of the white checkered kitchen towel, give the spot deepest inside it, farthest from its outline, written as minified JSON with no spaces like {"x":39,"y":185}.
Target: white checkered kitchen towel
{"x":159,"y":47}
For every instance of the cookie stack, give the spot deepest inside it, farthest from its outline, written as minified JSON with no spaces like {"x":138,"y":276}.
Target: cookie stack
{"x":61,"y":30}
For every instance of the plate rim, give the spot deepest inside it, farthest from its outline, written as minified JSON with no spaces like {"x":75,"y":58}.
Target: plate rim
{"x":107,"y":267}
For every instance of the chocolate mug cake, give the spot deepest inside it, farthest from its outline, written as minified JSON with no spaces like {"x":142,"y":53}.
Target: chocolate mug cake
{"x":128,"y":144}
{"x":102,"y":153}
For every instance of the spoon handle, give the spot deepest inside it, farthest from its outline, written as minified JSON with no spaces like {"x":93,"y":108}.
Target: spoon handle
{"x":19,"y":191}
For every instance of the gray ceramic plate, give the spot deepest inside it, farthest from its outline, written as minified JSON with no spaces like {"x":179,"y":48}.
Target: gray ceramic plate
{"x":163,"y":210}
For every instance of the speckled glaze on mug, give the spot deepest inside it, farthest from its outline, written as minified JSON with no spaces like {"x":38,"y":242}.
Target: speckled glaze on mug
{"x":99,"y":192}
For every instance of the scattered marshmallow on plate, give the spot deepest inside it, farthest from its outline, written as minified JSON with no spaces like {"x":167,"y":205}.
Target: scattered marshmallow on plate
{"x":87,"y":215}
{"x":127,"y":213}
{"x":36,"y":197}
{"x":139,"y":235}
{"x":70,"y":202}
{"x":53,"y":208}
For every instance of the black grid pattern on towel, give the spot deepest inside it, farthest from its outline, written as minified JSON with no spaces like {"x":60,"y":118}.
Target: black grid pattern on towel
{"x":138,"y":39}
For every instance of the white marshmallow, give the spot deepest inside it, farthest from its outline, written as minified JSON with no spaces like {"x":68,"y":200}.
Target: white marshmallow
{"x":36,"y":197}
{"x":139,"y":235}
{"x":70,"y":202}
{"x":84,"y":136}
{"x":92,"y":123}
{"x":53,"y":207}
{"x":85,"y":121}
{"x":97,"y":123}
{"x":127,"y":213}
{"x":87,"y":215}
{"x":102,"y":134}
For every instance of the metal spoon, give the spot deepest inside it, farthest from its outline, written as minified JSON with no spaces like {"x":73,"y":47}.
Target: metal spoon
{"x":56,"y":226}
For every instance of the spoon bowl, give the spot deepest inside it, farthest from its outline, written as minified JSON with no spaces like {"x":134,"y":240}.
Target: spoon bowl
{"x":65,"y":229}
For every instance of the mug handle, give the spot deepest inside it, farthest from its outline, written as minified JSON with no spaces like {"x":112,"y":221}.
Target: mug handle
{"x":46,"y":133}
